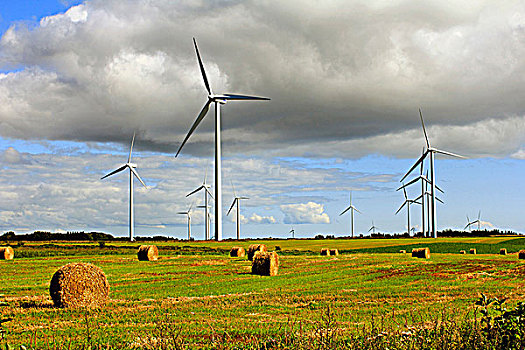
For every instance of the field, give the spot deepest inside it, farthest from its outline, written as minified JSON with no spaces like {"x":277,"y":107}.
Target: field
{"x":196,"y":296}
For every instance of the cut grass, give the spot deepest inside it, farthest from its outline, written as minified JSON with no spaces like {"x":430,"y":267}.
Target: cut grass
{"x":211,"y":297}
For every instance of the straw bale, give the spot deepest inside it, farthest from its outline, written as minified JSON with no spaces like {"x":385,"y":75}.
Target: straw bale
{"x":503,"y":251}
{"x":334,"y":252}
{"x":423,"y":253}
{"x":403,"y":251}
{"x":148,"y":253}
{"x":521,"y":254}
{"x":253,"y":248}
{"x":325,"y":251}
{"x":7,"y":253}
{"x":79,"y":285}
{"x":472,"y":251}
{"x":462,"y":252}
{"x":237,"y":252}
{"x":265,"y":264}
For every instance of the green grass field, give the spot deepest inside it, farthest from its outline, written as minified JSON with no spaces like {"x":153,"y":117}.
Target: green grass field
{"x":196,"y":296}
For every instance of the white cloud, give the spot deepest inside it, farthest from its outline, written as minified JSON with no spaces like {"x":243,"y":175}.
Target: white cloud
{"x":257,"y":219}
{"x":305,"y":213}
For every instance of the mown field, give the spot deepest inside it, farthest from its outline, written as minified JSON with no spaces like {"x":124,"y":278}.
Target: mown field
{"x":196,"y":296}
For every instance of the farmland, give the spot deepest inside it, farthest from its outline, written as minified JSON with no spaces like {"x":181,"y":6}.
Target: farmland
{"x":196,"y":296}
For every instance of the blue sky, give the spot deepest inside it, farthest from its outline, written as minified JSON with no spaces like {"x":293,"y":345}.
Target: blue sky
{"x":78,"y":83}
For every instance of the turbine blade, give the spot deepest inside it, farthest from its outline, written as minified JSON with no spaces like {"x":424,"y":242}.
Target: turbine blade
{"x":203,"y":72}
{"x":195,"y":191}
{"x":401,"y":207}
{"x":115,"y":171}
{"x":244,"y":198}
{"x":409,"y":183}
{"x":233,"y":188}
{"x":138,"y":177}
{"x":233,"y":203}
{"x":418,"y":198}
{"x":201,"y":116}
{"x":440,"y":201}
{"x":424,"y":130}
{"x":131,"y":148}
{"x":415,"y":165}
{"x":479,"y":215}
{"x":439,"y":189}
{"x":448,"y":153}
{"x":208,"y":191}
{"x":244,"y":97}
{"x":357,"y":210}
{"x":370,"y":229}
{"x":344,"y":211}
{"x":405,"y":193}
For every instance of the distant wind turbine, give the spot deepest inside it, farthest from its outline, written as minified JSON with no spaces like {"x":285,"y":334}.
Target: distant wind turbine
{"x":430,"y":151}
{"x":468,"y":224}
{"x":478,"y":221}
{"x":407,"y":202}
{"x":206,"y":206}
{"x":292,"y":231}
{"x":132,"y":172}
{"x":352,"y":209}
{"x":218,"y":100}
{"x":373,"y":228}
{"x":188,"y":214}
{"x":238,"y":201}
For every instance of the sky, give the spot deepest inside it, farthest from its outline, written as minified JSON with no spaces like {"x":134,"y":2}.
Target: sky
{"x":345,"y":78}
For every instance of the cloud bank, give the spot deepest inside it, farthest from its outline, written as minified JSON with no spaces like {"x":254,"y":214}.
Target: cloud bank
{"x":346,"y":77}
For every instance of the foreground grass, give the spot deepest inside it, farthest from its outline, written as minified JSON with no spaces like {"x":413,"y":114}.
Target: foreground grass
{"x":208,"y":300}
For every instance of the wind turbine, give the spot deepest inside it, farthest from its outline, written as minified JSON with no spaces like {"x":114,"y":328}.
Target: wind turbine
{"x":373,"y":228}
{"x":218,"y":100}
{"x":431,"y":152}
{"x":407,"y":202}
{"x":206,"y":206}
{"x":188,"y":214}
{"x":468,"y":224}
{"x":352,"y":208}
{"x":424,"y":185}
{"x":132,"y":172}
{"x":292,"y":231}
{"x":238,"y":201}
{"x":478,"y":221}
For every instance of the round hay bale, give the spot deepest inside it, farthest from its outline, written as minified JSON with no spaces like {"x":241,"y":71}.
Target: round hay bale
{"x":334,"y":252}
{"x":148,"y":253}
{"x":253,"y":248}
{"x":521,"y":254}
{"x":79,"y":285}
{"x":403,"y":251}
{"x":7,"y":253}
{"x":462,"y":252}
{"x":423,"y":253}
{"x":472,"y":251}
{"x":503,"y":251}
{"x":237,"y":252}
{"x":265,"y":264}
{"x":325,"y":252}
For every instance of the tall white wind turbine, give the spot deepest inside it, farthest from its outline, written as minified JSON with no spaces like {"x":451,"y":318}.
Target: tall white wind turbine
{"x":188,"y":214}
{"x":431,"y":152}
{"x":407,"y":202}
{"x":238,"y":201}
{"x":206,"y":188}
{"x":468,"y":225}
{"x":478,"y":221}
{"x":352,"y":209}
{"x":217,"y":100}
{"x":423,"y":197}
{"x":132,"y":172}
{"x":292,"y":231}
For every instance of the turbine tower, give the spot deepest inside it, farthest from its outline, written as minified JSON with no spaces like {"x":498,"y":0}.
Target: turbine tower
{"x":217,"y":100}
{"x":206,"y":206}
{"x":407,"y":202}
{"x":238,"y":201}
{"x":132,"y":172}
{"x":352,"y":208}
{"x":188,"y":214}
{"x":431,"y":152}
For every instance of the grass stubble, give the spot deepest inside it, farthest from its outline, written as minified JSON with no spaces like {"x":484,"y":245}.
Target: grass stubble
{"x":354,"y":301}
